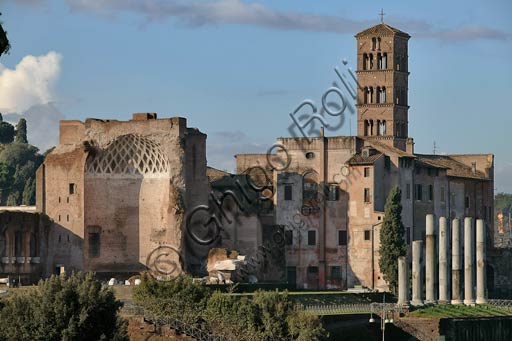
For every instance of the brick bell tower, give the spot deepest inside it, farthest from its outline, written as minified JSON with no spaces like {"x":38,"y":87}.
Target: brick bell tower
{"x":382,"y":74}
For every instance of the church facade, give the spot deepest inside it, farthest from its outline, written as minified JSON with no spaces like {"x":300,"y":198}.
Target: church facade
{"x":330,"y":198}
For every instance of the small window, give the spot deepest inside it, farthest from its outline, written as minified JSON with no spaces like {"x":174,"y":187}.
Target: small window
{"x":387,"y":162}
{"x":59,"y":217}
{"x":310,"y":155}
{"x":288,"y":237}
{"x":67,"y":200}
{"x":67,"y":217}
{"x":467,"y":202}
{"x":336,"y":272}
{"x":367,"y":234}
{"x":312,"y":271}
{"x":312,"y":237}
{"x":430,"y":192}
{"x":367,"y":195}
{"x":288,"y":192}
{"x":366,"y":172}
{"x":94,"y":244}
{"x":333,"y":193}
{"x":408,"y":191}
{"x":342,"y":238}
{"x":419,"y":192}
{"x":60,"y":238}
{"x":72,"y":188}
{"x":59,"y":200}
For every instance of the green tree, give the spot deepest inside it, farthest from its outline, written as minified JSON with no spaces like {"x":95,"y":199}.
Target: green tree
{"x":21,"y":131}
{"x":29,"y":193}
{"x":392,"y":243}
{"x":73,"y":308}
{"x":6,"y":132}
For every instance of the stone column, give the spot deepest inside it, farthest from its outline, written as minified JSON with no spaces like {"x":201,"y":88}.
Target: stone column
{"x":456,"y":270}
{"x":468,"y":261}
{"x":480,"y":263}
{"x":430,"y":261}
{"x":403,"y":278}
{"x":443,"y":262}
{"x":417,"y":289}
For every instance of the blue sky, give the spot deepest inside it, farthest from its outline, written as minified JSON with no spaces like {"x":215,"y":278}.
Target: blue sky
{"x":236,"y":69}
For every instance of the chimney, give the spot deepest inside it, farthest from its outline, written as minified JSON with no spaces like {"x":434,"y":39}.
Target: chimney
{"x":473,"y":167}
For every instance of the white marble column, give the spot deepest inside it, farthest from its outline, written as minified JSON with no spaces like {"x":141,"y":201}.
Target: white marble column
{"x":430,"y":260}
{"x":456,"y":269}
{"x":417,"y":289}
{"x":443,"y":261}
{"x":403,"y":279}
{"x":480,"y":263}
{"x":468,"y":261}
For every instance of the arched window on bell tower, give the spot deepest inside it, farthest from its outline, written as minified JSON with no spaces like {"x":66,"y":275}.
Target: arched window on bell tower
{"x":370,"y":93}
{"x":366,"y":127}
{"x":379,"y":61}
{"x":374,"y":43}
{"x":384,"y":61}
{"x":365,"y":61}
{"x":370,"y":58}
{"x":378,"y":94}
{"x":365,"y":95}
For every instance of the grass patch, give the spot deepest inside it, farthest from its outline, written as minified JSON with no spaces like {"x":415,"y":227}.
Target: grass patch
{"x":456,"y":311}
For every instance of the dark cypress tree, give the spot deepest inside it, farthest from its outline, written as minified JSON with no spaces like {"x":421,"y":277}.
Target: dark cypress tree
{"x":21,"y":131}
{"x":392,"y":243}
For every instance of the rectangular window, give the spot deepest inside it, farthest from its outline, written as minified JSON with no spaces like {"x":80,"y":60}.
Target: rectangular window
{"x":312,"y":237}
{"x":367,"y":195}
{"x":336,"y":272}
{"x":72,"y":188}
{"x":366,"y":172}
{"x":442,"y":194}
{"x":408,"y":191}
{"x":467,"y":202}
{"x":288,"y":192}
{"x":367,"y":234}
{"x":288,"y":237}
{"x":94,"y":244}
{"x":333,"y":193}
{"x":312,"y":271}
{"x":291,"y":274}
{"x":342,"y":237}
{"x":387,"y":162}
{"x":430,"y":192}
{"x":419,"y":192}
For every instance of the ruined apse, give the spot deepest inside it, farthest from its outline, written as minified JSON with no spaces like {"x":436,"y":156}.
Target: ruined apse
{"x":118,"y":190}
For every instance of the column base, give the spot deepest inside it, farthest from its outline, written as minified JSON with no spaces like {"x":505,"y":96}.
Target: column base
{"x":443,"y":302}
{"x":430,"y":301}
{"x":456,"y":302}
{"x":417,"y":303}
{"x":481,"y":301}
{"x":469,"y":302}
{"x":403,"y":304}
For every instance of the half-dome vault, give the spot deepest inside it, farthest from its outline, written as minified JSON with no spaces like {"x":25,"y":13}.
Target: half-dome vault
{"x":129,"y":155}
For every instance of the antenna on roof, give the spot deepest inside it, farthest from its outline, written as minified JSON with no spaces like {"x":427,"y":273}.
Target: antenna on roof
{"x":382,"y":14}
{"x":435,"y":148}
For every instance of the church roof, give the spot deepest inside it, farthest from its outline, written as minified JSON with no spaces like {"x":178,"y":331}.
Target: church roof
{"x":359,"y":159}
{"x":453,"y":167}
{"x":382,"y":30}
{"x":384,"y":148}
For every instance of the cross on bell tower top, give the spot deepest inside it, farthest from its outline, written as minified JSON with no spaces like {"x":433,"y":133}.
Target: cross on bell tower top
{"x":382,"y":14}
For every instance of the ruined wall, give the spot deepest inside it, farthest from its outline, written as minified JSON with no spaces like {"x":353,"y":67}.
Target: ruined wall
{"x":117,"y":190}
{"x":24,"y":248}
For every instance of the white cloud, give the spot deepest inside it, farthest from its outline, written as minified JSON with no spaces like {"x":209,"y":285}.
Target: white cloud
{"x":29,"y":83}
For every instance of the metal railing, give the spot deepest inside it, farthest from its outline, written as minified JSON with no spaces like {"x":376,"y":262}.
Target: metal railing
{"x":505,"y":304}
{"x":346,"y":309}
